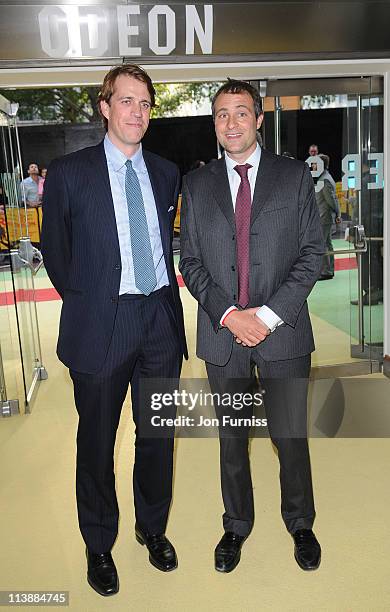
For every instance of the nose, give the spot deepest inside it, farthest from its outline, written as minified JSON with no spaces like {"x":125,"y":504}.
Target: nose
{"x":231,"y":122}
{"x":137,"y":110}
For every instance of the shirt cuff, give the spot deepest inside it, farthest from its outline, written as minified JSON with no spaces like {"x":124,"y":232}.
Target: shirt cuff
{"x":225,"y":314}
{"x":269,"y":318}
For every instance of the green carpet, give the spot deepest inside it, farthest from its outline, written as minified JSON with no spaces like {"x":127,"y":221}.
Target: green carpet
{"x":330,"y":301}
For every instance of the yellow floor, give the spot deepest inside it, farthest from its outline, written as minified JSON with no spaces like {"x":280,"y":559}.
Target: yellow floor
{"x":41,"y":548}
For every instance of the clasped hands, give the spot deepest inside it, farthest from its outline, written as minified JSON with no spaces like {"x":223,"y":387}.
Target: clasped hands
{"x":246,"y":327}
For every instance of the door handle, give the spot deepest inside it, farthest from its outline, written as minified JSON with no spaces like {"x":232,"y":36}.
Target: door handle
{"x":357,"y":236}
{"x":26,"y":256}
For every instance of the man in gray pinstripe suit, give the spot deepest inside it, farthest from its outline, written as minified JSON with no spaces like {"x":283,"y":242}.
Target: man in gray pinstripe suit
{"x":251,"y":251}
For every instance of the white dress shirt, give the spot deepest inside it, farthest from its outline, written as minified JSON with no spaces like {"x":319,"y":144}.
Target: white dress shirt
{"x":267,"y":316}
{"x":116,"y":162}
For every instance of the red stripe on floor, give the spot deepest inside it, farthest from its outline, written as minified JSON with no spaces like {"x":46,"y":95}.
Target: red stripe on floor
{"x":345,"y":263}
{"x":26,"y":295}
{"x":49,"y":294}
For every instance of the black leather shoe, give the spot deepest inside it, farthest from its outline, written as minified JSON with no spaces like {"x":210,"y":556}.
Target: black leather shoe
{"x":228,"y":552}
{"x":102,"y":574}
{"x":161,"y":552}
{"x":307,"y":550}
{"x":326,"y":277}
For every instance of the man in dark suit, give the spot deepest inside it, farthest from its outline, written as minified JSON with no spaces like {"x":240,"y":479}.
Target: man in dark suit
{"x":107,"y":232}
{"x":251,"y":251}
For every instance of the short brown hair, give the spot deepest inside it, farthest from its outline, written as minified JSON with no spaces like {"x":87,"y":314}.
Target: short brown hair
{"x":235,"y":87}
{"x":131,"y":70}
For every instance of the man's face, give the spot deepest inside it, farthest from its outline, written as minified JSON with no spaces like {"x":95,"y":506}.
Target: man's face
{"x":313,"y":150}
{"x":33,"y":169}
{"x":236,"y":124}
{"x":128,"y":112}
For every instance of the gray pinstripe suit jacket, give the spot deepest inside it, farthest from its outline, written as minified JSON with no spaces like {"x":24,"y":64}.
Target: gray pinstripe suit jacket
{"x":286,"y":248}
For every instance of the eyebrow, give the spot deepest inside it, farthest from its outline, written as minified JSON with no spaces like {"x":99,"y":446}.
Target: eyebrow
{"x":132,"y":98}
{"x":236,"y":107}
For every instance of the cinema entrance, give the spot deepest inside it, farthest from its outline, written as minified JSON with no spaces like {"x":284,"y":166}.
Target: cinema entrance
{"x":347,"y":127}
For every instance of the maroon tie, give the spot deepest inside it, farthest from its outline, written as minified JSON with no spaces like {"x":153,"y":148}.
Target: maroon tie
{"x":243,"y":218}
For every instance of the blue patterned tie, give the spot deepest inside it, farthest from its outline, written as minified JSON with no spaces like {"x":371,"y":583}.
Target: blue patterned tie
{"x":144,"y":272}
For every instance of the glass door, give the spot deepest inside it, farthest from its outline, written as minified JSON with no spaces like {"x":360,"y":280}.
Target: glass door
{"x":336,"y":126}
{"x":19,"y":262}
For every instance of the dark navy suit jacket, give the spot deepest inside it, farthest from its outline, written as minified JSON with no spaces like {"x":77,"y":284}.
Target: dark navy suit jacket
{"x":81,"y":250}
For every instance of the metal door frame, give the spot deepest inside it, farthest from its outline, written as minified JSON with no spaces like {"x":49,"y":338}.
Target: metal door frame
{"x":368,"y":85}
{"x":20,"y":258}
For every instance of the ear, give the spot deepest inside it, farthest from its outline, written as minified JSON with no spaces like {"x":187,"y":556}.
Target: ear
{"x":259,"y":120}
{"x":105,"y":109}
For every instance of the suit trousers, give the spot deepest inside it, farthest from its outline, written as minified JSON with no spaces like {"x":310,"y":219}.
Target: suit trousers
{"x":284,"y":384}
{"x":328,"y":259}
{"x":144,"y":345}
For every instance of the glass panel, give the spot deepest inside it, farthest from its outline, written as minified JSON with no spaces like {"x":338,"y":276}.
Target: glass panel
{"x":19,"y":259}
{"x":11,"y":370}
{"x":346,"y":305}
{"x":371,"y":263}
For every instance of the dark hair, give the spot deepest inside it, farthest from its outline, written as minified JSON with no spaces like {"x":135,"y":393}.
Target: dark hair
{"x":131,"y":70}
{"x":235,"y":87}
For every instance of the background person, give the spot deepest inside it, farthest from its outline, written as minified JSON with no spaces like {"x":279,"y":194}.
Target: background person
{"x":42,"y":181}
{"x":32,"y":186}
{"x":328,"y":207}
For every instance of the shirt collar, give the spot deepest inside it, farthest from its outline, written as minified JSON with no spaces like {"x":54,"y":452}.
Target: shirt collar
{"x":253,"y":160}
{"x":117,"y":159}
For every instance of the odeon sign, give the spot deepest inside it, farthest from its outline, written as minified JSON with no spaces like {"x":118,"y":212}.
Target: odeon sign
{"x":77,"y":31}
{"x":352,"y":173}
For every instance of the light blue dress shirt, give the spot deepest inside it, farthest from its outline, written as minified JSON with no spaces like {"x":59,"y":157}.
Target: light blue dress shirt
{"x":116,"y":162}
{"x":30,"y":189}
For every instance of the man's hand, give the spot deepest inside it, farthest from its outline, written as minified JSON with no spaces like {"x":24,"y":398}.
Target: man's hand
{"x":246,"y":327}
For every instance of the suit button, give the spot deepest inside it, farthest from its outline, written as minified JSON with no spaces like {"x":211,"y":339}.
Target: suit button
{"x":233,"y":237}
{"x":113,"y":299}
{"x":234,"y":297}
{"x":117,"y":267}
{"x":233,"y":268}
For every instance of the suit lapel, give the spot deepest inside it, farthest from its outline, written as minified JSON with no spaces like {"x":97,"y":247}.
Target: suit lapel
{"x":266,"y":177}
{"x":97,"y":172}
{"x":221,"y":190}
{"x":158,"y":182}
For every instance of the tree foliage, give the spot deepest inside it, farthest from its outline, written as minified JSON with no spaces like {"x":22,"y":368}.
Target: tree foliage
{"x":79,"y":104}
